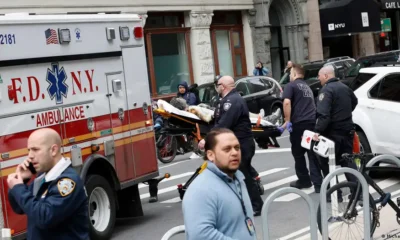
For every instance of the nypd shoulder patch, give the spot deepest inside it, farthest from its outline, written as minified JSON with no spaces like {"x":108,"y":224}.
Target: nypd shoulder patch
{"x":65,"y":186}
{"x":321,"y":97}
{"x":227,"y":106}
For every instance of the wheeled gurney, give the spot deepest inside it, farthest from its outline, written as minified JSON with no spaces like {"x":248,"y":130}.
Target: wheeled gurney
{"x":201,"y":120}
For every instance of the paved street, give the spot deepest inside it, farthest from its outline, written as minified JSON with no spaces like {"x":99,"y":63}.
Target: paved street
{"x":288,"y":215}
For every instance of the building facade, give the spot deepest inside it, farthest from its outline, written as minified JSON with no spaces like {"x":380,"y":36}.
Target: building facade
{"x":193,"y":40}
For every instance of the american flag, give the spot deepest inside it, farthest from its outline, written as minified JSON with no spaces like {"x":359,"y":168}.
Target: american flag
{"x":51,"y":36}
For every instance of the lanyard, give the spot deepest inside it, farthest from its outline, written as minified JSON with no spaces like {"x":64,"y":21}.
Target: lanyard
{"x":239,"y":197}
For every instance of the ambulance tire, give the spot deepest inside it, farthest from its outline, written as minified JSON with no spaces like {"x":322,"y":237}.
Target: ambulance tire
{"x":101,"y":197}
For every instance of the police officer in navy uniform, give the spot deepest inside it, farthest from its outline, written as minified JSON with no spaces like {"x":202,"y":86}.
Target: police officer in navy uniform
{"x":232,"y":113}
{"x":55,"y":202}
{"x":335,"y":105}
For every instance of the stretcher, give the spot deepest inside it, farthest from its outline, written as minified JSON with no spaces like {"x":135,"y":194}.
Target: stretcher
{"x":201,"y":120}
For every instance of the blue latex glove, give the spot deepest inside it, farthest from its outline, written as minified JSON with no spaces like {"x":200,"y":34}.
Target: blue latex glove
{"x":281,"y":129}
{"x":289,"y":127}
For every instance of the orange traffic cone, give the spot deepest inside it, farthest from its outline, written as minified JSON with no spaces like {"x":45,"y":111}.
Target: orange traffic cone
{"x":356,"y":143}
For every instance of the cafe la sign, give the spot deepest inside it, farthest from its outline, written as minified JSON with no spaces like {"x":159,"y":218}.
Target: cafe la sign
{"x":390,"y":4}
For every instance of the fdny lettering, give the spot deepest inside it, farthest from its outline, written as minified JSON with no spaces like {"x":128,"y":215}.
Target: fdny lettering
{"x":54,"y":117}
{"x":33,"y":88}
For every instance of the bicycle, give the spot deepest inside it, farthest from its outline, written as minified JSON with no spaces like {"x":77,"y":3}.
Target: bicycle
{"x":351,"y":211}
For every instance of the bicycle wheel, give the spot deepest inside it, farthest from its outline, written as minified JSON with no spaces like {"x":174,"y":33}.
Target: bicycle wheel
{"x":339,"y":226}
{"x":166,"y":148}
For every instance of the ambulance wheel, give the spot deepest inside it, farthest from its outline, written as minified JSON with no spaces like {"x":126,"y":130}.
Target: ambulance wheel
{"x":102,"y":207}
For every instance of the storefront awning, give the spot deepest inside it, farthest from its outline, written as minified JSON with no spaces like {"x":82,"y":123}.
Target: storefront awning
{"x":343,"y":17}
{"x":390,"y":4}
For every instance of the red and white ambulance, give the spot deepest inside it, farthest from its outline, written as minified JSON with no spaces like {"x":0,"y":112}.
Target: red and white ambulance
{"x":84,"y":76}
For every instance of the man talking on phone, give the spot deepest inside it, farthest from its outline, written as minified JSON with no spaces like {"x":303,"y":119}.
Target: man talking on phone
{"x":55,"y":202}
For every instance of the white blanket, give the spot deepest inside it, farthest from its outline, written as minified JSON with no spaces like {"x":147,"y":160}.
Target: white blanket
{"x":205,"y":114}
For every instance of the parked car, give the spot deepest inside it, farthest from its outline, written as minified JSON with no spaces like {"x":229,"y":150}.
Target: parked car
{"x":378,"y":110}
{"x":260,"y":92}
{"x":367,"y":61}
{"x":340,"y":64}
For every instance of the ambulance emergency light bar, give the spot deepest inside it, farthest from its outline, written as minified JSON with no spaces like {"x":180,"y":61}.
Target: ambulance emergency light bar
{"x":124,"y":33}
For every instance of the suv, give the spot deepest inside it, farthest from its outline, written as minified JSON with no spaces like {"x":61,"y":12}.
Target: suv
{"x":367,"y":61}
{"x":340,"y":64}
{"x":260,"y":92}
{"x":378,"y":109}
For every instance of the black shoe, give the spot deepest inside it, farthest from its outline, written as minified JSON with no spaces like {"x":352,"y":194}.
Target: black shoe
{"x":317,"y":188}
{"x":300,"y":185}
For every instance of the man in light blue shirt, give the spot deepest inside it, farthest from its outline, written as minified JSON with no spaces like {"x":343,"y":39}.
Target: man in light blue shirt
{"x":217,"y":206}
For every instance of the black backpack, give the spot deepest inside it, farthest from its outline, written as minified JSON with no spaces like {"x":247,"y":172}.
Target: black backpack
{"x":193,"y":89}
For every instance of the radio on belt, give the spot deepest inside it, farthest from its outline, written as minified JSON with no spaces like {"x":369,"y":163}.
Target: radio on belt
{"x":320,"y":147}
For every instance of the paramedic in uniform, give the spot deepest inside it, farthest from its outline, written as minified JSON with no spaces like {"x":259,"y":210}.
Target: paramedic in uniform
{"x":299,"y":109}
{"x":335,"y":105}
{"x":232,"y":113}
{"x":55,"y":202}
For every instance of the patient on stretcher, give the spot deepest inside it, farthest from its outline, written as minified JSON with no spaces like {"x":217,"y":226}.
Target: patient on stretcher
{"x":205,"y":113}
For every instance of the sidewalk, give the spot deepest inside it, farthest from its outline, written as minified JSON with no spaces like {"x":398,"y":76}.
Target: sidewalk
{"x":389,"y":228}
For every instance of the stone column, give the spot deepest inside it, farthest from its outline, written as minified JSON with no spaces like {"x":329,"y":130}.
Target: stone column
{"x":261,"y":34}
{"x":249,"y":22}
{"x":315,"y":38}
{"x":201,"y":49}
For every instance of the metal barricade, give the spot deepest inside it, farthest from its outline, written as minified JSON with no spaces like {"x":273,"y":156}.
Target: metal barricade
{"x":279,"y":192}
{"x":365,"y":190}
{"x":173,"y":231}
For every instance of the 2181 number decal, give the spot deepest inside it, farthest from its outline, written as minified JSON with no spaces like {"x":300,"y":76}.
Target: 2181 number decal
{"x":7,"y":39}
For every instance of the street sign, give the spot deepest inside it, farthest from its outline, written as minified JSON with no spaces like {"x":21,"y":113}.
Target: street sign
{"x":386,"y":25}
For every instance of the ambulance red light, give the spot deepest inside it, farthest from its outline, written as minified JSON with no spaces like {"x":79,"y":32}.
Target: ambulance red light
{"x":138,"y":32}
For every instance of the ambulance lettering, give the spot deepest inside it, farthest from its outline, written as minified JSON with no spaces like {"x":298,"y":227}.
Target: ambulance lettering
{"x":30,"y":88}
{"x":54,"y":117}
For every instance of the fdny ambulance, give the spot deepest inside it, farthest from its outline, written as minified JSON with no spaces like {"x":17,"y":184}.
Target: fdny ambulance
{"x":84,"y":76}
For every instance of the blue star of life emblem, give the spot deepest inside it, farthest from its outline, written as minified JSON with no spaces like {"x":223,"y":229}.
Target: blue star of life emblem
{"x":57,"y":87}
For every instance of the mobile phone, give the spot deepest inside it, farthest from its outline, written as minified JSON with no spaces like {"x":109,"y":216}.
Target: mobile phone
{"x":31,"y":168}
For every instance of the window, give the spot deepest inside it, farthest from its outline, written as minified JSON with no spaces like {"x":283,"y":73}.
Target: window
{"x":311,"y":73}
{"x":268,"y":83}
{"x":241,"y":87}
{"x":207,"y":93}
{"x":387,"y":89}
{"x":228,"y":43}
{"x":256,"y":85}
{"x":168,"y":52}
{"x":285,"y":79}
{"x":360,"y":80}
